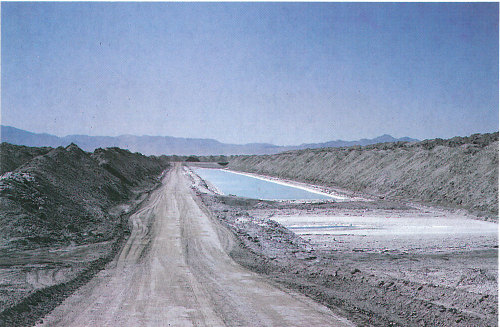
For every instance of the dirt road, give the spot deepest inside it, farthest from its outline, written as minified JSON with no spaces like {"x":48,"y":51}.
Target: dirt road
{"x":175,"y":271}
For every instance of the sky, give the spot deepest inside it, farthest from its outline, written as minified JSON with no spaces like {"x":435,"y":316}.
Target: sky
{"x":281,"y":73}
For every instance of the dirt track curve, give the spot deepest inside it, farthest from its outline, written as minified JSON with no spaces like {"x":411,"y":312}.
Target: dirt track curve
{"x":175,"y":271}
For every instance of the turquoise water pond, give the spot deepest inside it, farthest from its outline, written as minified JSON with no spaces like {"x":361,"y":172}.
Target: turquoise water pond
{"x":245,"y":186}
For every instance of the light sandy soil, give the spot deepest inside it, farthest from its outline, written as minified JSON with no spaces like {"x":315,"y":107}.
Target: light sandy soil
{"x":24,"y":272}
{"x":175,"y":270}
{"x":423,"y":246}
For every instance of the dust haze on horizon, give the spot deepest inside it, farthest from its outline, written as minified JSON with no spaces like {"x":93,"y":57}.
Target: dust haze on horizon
{"x":280,"y":73}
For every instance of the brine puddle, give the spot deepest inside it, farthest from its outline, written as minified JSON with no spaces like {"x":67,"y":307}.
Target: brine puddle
{"x":390,"y":226}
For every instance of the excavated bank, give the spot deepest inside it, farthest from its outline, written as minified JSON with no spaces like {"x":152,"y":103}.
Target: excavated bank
{"x":460,"y":173}
{"x":13,"y":156}
{"x":64,"y":213}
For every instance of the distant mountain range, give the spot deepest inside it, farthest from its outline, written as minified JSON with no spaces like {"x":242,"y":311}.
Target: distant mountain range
{"x":157,"y":145}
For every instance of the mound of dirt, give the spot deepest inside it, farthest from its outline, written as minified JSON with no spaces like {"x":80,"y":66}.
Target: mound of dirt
{"x":13,"y":156}
{"x":63,"y":217}
{"x":461,"y":172}
{"x":64,"y":195}
{"x":130,"y":168}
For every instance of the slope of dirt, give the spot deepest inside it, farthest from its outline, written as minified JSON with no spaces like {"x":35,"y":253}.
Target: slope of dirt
{"x":13,"y":156}
{"x":461,"y":172}
{"x":64,"y":195}
{"x":130,"y":168}
{"x":63,"y":214}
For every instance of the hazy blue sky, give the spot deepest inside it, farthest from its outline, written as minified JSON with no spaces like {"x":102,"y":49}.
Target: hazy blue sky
{"x":284,"y":73}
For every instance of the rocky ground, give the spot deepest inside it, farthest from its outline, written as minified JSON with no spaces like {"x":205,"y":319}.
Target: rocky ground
{"x":64,"y":214}
{"x":438,"y":281}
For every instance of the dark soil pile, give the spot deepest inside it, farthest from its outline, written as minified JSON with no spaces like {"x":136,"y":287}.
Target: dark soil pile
{"x":64,"y":195}
{"x":461,"y":172}
{"x":131,"y":169}
{"x":64,"y":215}
{"x":13,"y":156}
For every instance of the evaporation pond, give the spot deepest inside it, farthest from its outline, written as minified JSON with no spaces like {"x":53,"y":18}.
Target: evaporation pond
{"x":250,"y":187}
{"x":386,"y":226}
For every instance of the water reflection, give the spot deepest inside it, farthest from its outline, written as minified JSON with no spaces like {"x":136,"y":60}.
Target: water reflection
{"x":249,"y":187}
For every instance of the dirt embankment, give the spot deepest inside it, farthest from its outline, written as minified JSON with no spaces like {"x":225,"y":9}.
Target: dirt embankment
{"x":64,"y":196}
{"x":13,"y":156}
{"x":461,"y":172}
{"x":64,"y":213}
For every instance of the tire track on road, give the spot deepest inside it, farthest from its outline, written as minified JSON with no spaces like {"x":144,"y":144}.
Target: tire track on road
{"x":175,"y":271}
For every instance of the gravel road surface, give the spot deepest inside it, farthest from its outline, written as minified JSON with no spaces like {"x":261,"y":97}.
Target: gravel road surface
{"x":175,"y":271}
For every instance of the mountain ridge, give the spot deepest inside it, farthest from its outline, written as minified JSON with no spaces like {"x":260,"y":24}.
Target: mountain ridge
{"x":169,"y":145}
